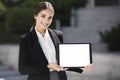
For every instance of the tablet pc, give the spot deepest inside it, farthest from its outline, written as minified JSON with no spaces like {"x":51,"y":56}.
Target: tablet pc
{"x":74,"y":55}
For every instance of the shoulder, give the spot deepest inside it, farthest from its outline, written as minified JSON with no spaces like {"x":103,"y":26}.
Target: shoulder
{"x":25,"y":37}
{"x":58,"y":32}
{"x":59,"y":35}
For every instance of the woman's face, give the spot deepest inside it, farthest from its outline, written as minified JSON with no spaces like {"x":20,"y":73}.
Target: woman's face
{"x":44,"y":19}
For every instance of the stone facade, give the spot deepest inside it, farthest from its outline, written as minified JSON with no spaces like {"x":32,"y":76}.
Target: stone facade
{"x":90,"y":22}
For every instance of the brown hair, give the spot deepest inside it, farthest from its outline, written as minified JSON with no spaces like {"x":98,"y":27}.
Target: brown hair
{"x":40,"y":7}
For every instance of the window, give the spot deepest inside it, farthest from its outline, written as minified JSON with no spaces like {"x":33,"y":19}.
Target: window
{"x":106,"y":2}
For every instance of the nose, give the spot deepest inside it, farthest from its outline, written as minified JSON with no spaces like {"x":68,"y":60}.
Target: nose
{"x":46,"y":21}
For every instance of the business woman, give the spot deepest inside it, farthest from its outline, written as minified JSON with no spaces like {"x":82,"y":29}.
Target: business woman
{"x":38,"y":54}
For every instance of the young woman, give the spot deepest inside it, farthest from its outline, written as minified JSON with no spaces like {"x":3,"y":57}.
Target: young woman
{"x":38,"y":48}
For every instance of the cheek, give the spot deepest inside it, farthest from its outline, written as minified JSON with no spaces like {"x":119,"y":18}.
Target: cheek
{"x":38,"y":20}
{"x":50,"y":21}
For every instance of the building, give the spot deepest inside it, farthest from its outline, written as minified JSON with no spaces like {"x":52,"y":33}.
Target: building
{"x":93,"y":18}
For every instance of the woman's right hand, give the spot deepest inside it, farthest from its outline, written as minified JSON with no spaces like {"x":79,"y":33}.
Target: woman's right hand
{"x":56,"y":67}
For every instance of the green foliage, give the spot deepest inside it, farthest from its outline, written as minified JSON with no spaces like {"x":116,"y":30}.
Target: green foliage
{"x":12,"y":3}
{"x":18,"y":20}
{"x":2,"y":7}
{"x":16,"y":17}
{"x":112,"y":38}
{"x":63,"y":9}
{"x":8,"y":38}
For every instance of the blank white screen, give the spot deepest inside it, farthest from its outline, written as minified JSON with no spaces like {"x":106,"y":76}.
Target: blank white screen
{"x":74,"y":55}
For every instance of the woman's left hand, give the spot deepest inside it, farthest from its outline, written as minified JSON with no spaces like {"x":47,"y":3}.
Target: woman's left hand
{"x":88,"y":67}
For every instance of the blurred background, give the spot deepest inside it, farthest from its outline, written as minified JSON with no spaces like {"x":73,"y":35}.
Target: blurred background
{"x":82,"y":21}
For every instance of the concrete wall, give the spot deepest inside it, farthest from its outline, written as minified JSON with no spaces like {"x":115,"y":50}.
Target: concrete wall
{"x":90,"y":22}
{"x":9,"y":55}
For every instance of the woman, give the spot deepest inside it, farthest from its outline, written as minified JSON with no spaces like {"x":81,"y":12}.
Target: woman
{"x":38,"y":48}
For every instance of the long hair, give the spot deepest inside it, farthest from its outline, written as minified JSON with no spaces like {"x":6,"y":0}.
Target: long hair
{"x":40,"y":7}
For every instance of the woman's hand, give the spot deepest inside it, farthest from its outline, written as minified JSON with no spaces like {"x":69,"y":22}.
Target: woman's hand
{"x":56,"y":67}
{"x":88,"y":67}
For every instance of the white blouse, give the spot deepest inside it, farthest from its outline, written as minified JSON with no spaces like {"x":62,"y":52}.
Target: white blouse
{"x":47,"y":46}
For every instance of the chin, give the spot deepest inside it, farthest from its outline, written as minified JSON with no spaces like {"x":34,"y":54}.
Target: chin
{"x":45,"y":28}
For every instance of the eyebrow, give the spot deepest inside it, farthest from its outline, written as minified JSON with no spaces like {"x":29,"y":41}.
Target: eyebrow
{"x":45,"y":15}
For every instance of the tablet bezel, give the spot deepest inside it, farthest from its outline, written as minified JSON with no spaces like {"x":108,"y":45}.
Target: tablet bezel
{"x":90,"y":54}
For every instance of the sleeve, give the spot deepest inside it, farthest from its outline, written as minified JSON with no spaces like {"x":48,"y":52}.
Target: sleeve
{"x":60,"y":35}
{"x":25,"y":66}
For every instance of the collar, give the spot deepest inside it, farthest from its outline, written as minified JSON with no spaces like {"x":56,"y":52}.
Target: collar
{"x":39,"y":34}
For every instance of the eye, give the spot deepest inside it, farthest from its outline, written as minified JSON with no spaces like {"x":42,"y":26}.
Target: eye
{"x":50,"y":17}
{"x":43,"y":16}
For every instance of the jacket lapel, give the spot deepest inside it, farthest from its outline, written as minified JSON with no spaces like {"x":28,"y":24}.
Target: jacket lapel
{"x":56,"y":41}
{"x":54,"y":38}
{"x":36,"y":43}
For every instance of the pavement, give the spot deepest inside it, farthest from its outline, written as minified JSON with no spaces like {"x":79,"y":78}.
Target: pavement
{"x":106,"y":67}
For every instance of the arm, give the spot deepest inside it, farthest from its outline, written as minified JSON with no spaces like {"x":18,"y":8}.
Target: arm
{"x":25,"y":66}
{"x":79,"y":70}
{"x":60,"y":36}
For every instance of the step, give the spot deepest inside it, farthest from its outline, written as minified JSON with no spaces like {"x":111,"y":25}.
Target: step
{"x":4,"y":68}
{"x":9,"y":73}
{"x":17,"y":78}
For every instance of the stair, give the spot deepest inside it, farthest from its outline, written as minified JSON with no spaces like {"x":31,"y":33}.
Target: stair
{"x":90,"y":22}
{"x":7,"y":73}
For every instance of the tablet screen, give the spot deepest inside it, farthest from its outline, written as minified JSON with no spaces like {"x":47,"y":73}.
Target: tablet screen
{"x":75,"y":55}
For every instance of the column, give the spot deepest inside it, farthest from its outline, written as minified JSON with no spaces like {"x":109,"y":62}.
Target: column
{"x":90,"y":4}
{"x":57,"y":24}
{"x":73,"y":19}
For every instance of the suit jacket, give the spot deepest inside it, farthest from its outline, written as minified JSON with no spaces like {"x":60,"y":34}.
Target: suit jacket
{"x":32,"y":61}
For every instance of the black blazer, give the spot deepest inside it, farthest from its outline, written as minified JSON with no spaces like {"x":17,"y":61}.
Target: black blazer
{"x":32,"y":61}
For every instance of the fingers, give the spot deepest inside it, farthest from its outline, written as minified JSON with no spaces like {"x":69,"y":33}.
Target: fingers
{"x":82,"y":69}
{"x":59,"y":68}
{"x":56,"y":67}
{"x":88,"y":67}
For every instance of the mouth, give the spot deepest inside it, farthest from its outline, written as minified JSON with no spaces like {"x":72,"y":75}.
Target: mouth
{"x":44,"y":24}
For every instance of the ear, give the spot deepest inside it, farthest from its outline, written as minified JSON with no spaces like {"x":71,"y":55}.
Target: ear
{"x":35,"y":16}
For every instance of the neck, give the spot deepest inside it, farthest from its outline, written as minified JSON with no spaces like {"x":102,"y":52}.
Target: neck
{"x":41,"y":31}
